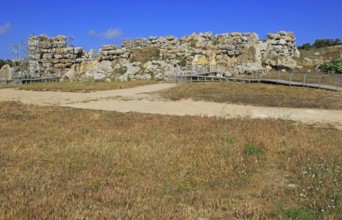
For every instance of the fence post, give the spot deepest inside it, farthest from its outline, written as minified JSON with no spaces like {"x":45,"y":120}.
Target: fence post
{"x":304,"y":80}
{"x":176,"y":75}
{"x":278,"y":78}
{"x":290,"y":77}
{"x":319,"y":80}
{"x":338,"y":82}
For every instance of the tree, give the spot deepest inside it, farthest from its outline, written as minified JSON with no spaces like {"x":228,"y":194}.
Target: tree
{"x":305,"y":46}
{"x":319,"y":43}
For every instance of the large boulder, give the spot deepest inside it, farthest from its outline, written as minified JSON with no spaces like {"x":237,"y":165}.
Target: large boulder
{"x":200,"y":59}
{"x":131,"y":70}
{"x":69,"y":75}
{"x":93,"y":55}
{"x":286,"y":63}
{"x":248,"y":68}
{"x":5,"y":71}
{"x":100,"y":71}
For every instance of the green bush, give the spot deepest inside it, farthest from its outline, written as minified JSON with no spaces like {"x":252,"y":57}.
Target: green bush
{"x":334,"y":66}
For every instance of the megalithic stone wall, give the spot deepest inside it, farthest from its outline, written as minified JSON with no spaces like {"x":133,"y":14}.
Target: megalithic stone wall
{"x":236,"y":52}
{"x":281,"y":44}
{"x":52,"y":55}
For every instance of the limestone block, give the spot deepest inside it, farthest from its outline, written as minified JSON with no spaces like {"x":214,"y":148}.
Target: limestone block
{"x":170,"y":38}
{"x":47,"y":56}
{"x":200,"y":60}
{"x":236,"y":34}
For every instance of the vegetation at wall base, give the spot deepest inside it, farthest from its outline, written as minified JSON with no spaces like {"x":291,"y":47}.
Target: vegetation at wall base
{"x":334,"y":66}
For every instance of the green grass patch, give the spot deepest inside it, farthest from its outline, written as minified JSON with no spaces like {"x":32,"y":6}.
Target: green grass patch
{"x":252,"y":150}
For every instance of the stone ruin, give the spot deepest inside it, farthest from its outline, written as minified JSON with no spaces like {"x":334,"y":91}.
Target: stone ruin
{"x":52,"y":55}
{"x":235,"y":53}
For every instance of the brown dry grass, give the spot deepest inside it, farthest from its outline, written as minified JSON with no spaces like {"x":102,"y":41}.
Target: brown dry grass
{"x":145,"y":54}
{"x":256,"y":94}
{"x":326,"y":53}
{"x":82,"y":86}
{"x":62,"y":163}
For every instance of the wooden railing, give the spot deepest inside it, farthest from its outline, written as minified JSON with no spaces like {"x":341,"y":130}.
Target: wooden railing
{"x":291,"y":78}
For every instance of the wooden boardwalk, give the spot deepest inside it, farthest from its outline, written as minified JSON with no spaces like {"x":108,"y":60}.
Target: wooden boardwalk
{"x":212,"y":77}
{"x":32,"y":80}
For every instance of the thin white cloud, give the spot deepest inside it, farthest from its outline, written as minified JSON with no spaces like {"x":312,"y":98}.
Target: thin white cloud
{"x":5,"y":28}
{"x":110,"y":33}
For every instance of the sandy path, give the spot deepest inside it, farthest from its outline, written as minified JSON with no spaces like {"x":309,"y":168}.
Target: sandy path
{"x":134,"y":99}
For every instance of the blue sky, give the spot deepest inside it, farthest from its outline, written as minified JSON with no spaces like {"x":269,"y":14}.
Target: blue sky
{"x":94,"y":23}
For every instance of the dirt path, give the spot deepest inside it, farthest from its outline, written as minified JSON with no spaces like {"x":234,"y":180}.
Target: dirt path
{"x":136,"y":99}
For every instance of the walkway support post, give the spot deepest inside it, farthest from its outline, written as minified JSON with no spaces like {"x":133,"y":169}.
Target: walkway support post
{"x":304,"y":80}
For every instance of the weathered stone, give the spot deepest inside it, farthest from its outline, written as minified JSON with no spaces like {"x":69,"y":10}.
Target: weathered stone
{"x":286,"y":62}
{"x":153,"y":38}
{"x":249,"y":68}
{"x":228,"y":50}
{"x":159,"y":76}
{"x":147,"y":64}
{"x":235,"y":34}
{"x":5,"y":71}
{"x":108,"y":47}
{"x":307,"y":60}
{"x":272,"y":63}
{"x":170,"y":38}
{"x":100,"y":71}
{"x":92,"y":55}
{"x":146,"y":77}
{"x":208,"y":34}
{"x":69,"y":75}
{"x":200,"y":60}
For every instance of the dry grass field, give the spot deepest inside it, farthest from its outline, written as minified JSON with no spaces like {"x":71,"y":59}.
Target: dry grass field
{"x":256,"y":94}
{"x":86,"y":86}
{"x":62,"y":163}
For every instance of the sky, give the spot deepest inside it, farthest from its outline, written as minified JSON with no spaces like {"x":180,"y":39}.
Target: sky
{"x":97,"y":22}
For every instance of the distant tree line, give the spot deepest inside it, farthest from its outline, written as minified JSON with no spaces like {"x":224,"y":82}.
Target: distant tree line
{"x":321,"y":43}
